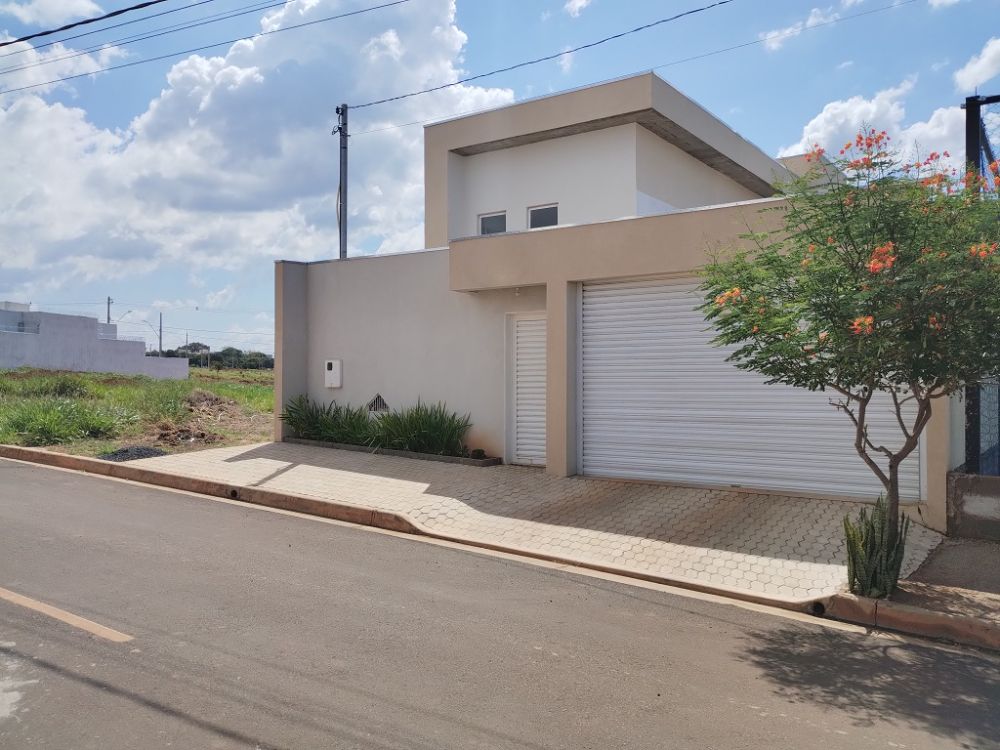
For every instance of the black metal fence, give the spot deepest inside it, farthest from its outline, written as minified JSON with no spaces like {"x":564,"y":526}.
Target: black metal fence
{"x":982,"y":429}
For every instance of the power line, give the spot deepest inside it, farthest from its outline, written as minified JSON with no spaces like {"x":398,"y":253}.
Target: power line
{"x":148,"y":34}
{"x":670,"y":64}
{"x":84,"y":22}
{"x":106,"y":28}
{"x":210,"y":46}
{"x":546,"y":58}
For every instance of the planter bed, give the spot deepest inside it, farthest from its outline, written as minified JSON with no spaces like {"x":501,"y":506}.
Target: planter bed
{"x":402,"y":454}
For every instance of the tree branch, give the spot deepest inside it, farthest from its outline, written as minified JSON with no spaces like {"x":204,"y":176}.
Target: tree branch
{"x":861,"y":440}
{"x":898,"y":411}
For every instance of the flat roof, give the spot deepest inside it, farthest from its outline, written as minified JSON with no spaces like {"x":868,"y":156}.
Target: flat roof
{"x":644,"y":99}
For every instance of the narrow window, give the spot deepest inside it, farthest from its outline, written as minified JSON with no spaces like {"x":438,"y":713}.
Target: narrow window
{"x":493,"y":223}
{"x":543,"y":216}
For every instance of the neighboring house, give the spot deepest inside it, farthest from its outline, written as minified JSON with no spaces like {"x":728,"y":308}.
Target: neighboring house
{"x":556,"y":304}
{"x":76,"y":343}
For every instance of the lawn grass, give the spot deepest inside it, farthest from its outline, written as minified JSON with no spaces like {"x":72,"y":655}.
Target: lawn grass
{"x":90,"y":413}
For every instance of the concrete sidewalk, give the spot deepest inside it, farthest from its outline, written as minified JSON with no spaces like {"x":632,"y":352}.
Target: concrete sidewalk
{"x":960,"y":578}
{"x":764,"y":547}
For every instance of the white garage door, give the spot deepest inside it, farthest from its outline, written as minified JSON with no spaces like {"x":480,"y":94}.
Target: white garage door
{"x":527,"y":431}
{"x":659,"y":402}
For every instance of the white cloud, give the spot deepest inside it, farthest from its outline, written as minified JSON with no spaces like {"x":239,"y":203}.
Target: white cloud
{"x":386,"y":44}
{"x":851,"y":3}
{"x":775,"y":40}
{"x":941,"y":3}
{"x":575,"y":7}
{"x":232,"y":163}
{"x":221,"y":297}
{"x":940,"y":65}
{"x":50,"y":12}
{"x":839,"y":121}
{"x":845,"y":65}
{"x":565,"y":61}
{"x":28,"y":66}
{"x":981,"y":68}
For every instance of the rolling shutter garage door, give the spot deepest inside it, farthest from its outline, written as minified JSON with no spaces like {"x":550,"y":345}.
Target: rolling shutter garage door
{"x":658,"y":401}
{"x":529,"y":391}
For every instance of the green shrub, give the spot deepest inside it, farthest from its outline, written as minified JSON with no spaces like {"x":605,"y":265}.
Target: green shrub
{"x":60,"y":386}
{"x":872,"y":565}
{"x":346,"y":424}
{"x":305,"y":417}
{"x":422,"y":429}
{"x":54,"y":421}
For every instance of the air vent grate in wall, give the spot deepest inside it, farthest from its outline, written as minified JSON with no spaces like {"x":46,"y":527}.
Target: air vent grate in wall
{"x":378,"y":405}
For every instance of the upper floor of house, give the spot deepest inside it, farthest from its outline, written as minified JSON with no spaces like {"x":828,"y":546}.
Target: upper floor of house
{"x":629,"y":148}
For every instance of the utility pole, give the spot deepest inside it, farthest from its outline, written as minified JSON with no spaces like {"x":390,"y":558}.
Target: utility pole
{"x":341,"y":130}
{"x":109,"y":310}
{"x":161,"y":334}
{"x":976,"y":142}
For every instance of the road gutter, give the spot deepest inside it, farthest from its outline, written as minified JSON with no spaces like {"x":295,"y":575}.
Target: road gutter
{"x":869,"y":613}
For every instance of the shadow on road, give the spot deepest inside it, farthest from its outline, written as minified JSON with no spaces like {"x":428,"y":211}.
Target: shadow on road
{"x":876,"y":680}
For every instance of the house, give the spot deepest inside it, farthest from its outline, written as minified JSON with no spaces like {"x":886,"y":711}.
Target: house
{"x":77,"y":343}
{"x":555,"y":303}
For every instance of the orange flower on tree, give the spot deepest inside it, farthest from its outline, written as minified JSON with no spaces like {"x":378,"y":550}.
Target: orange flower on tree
{"x":732,"y":295}
{"x":863,"y":325}
{"x":983,"y":250}
{"x":935,"y":322}
{"x":882,"y":258}
{"x":816,"y":153}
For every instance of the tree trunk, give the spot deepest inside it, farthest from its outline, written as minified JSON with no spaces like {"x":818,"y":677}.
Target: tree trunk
{"x":892,"y":503}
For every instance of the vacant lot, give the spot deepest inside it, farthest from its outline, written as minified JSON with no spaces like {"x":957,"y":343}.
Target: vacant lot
{"x":94,"y":413}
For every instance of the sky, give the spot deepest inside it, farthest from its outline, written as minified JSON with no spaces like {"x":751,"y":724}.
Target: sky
{"x":172,"y":185}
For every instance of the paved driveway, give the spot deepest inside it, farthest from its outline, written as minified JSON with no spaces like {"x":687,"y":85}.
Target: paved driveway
{"x":766,"y":546}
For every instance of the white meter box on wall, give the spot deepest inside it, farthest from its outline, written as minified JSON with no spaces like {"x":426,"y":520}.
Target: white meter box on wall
{"x":333,"y":373}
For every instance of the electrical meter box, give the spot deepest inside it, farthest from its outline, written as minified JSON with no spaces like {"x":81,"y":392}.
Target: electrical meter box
{"x":332,"y":373}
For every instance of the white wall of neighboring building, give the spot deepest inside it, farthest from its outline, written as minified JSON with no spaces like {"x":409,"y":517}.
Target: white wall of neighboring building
{"x":78,"y":344}
{"x":400,"y":332}
{"x":590,"y":175}
{"x":668,"y":178}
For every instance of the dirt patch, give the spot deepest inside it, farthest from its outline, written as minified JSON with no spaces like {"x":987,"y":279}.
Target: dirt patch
{"x":167,"y":433}
{"x":205,"y":400}
{"x":132,"y":453}
{"x":213,"y":419}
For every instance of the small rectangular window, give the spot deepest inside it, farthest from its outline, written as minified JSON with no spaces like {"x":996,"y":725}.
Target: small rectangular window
{"x":543,"y":216}
{"x":493,"y":223}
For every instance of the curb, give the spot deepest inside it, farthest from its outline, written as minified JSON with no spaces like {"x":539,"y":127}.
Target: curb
{"x":366,"y":516}
{"x":338,"y":511}
{"x":905,"y":618}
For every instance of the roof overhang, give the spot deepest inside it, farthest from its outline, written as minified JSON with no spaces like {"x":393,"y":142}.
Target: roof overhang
{"x":646,"y":100}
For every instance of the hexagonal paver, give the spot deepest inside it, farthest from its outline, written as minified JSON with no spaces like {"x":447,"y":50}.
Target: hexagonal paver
{"x":775,"y":546}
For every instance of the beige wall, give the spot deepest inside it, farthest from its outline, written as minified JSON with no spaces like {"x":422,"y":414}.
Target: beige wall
{"x":674,"y":244}
{"x":675,"y":178}
{"x":402,"y":333}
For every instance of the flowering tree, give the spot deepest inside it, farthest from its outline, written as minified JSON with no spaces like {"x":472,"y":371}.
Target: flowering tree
{"x":885,"y":278}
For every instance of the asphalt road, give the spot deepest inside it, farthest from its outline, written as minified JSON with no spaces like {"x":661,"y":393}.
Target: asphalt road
{"x":257,"y":629}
